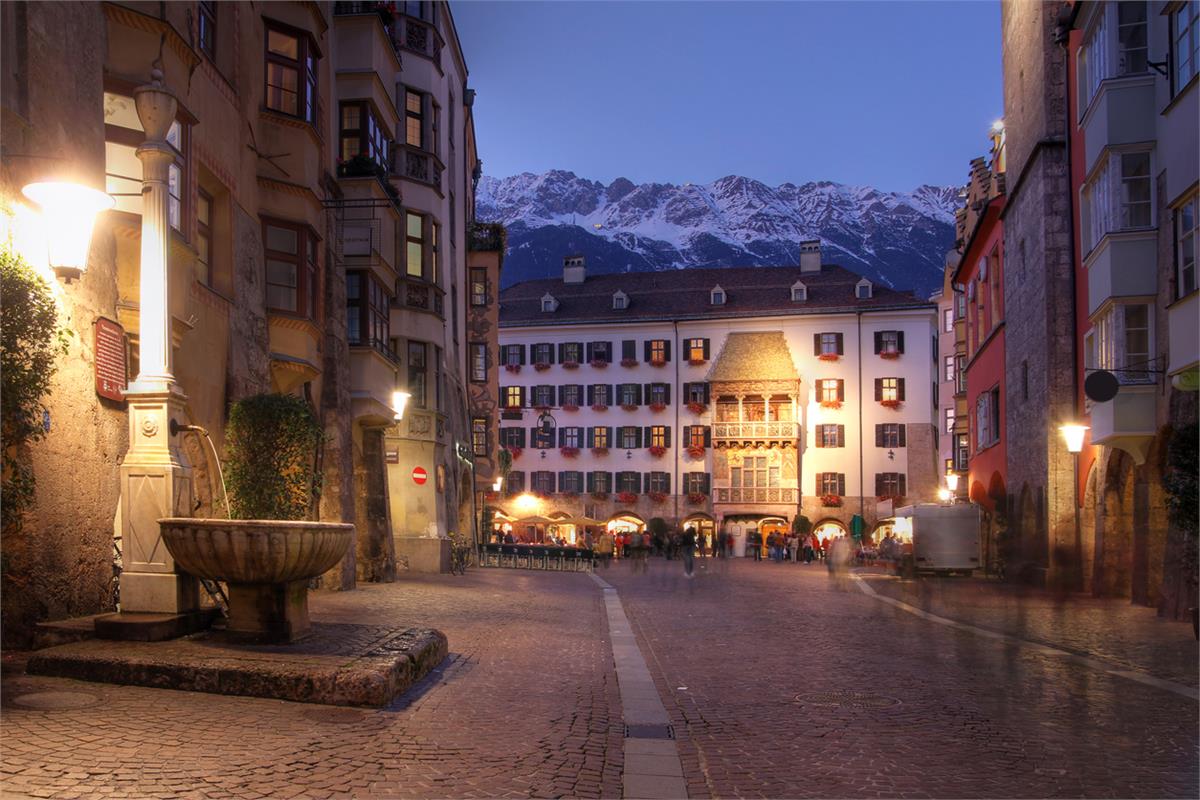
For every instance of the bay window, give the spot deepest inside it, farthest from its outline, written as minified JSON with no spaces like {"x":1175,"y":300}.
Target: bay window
{"x":479,"y":290}
{"x":290,"y":252}
{"x":414,"y":240}
{"x":414,"y":119}
{"x":362,"y":134}
{"x":1118,"y":197}
{"x":1114,"y":46}
{"x":291,"y":72}
{"x":1123,"y":342}
{"x":1185,"y":33}
{"x":367,"y":318}
{"x":479,"y":362}
{"x":418,"y":372}
{"x":479,"y":436}
{"x":1185,"y":248}
{"x":987,"y":419}
{"x":948,"y":423}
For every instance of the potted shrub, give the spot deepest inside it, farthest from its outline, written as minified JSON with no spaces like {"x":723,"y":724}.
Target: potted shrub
{"x":271,"y":549}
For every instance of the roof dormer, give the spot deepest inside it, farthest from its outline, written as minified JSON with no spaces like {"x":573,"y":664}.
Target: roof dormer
{"x":716,"y":296}
{"x":864,"y":289}
{"x":799,"y":292}
{"x":549,"y":303}
{"x":620,"y":300}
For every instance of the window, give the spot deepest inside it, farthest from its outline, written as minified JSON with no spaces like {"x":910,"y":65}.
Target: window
{"x":830,"y":390}
{"x":479,"y":287}
{"x":543,"y":353}
{"x":367,"y":303}
{"x":600,"y":482}
{"x":207,"y":34}
{"x":755,"y":472}
{"x":695,"y":483}
{"x":417,"y":372}
{"x":291,"y":72}
{"x":948,"y":364}
{"x":1123,"y":342}
{"x":948,"y":320}
{"x":291,"y":260}
{"x":512,"y":437}
{"x":549,"y":304}
{"x":697,"y":436}
{"x":1118,"y":197}
{"x":629,"y":394}
{"x":660,"y":436}
{"x":601,"y":437}
{"x":960,"y":306}
{"x":629,"y":482}
{"x":697,"y":349}
{"x":658,"y":351}
{"x":414,"y":119}
{"x":204,"y":237}
{"x":799,"y":292}
{"x":601,"y":394}
{"x":826,"y":344}
{"x":658,"y":482}
{"x":570,"y":437}
{"x":863,"y":290}
{"x":658,"y":393}
{"x":889,"y":390}
{"x":717,"y":296}
{"x":600,"y":351}
{"x":515,"y":484}
{"x":512,"y":354}
{"x":543,"y":396}
{"x":123,"y":134}
{"x":479,"y":362}
{"x":1186,"y":33}
{"x":620,"y":301}
{"x":629,"y":437}
{"x":890,"y":434}
{"x":831,"y":483}
{"x":1185,"y":245}
{"x":570,"y":352}
{"x":570,"y":482}
{"x":414,"y":239}
{"x":831,"y":436}
{"x":543,"y":482}
{"x":961,"y":451}
{"x":889,"y":342}
{"x":362,"y":134}
{"x":948,"y":419}
{"x":479,"y":435}
{"x":960,"y":374}
{"x":987,"y":419}
{"x":890,"y":484}
{"x":570,"y":394}
{"x":1096,"y":56}
{"x":696,"y":393}
{"x":1131,"y":38}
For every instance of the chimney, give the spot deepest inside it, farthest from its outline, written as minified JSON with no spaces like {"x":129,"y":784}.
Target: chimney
{"x":573,"y":269}
{"x":810,"y":256}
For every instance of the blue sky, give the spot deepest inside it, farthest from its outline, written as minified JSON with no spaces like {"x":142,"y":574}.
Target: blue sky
{"x":890,"y":94}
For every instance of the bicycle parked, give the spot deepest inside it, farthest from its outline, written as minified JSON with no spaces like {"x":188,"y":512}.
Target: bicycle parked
{"x":460,"y":555}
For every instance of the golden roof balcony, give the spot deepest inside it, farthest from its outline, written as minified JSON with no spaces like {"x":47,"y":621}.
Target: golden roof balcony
{"x":757,"y":494}
{"x":755,"y":434}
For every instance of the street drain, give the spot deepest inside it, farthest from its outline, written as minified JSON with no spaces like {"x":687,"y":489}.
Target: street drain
{"x":56,"y":701}
{"x":846,"y":699}
{"x":334,"y":716}
{"x":645,"y":731}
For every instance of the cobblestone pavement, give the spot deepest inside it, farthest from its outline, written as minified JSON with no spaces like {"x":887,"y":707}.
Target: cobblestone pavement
{"x":779,"y":680}
{"x":784,"y":682}
{"x":526,"y":705}
{"x":1131,"y":636}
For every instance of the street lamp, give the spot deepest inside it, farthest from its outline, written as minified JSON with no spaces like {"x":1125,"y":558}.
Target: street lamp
{"x":1074,"y":435}
{"x":945,"y":495}
{"x":69,"y":211}
{"x":498,"y":484}
{"x":399,"y":403}
{"x":952,"y":482}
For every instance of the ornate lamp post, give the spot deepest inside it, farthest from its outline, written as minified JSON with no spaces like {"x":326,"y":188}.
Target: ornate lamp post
{"x":156,"y":481}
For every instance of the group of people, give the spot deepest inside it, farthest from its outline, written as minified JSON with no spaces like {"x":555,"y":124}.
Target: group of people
{"x":782,"y":546}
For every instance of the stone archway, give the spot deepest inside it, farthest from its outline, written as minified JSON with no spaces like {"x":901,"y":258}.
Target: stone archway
{"x":1114,"y":528}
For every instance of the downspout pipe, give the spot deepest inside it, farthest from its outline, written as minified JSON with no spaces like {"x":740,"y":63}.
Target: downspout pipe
{"x":862,"y":512}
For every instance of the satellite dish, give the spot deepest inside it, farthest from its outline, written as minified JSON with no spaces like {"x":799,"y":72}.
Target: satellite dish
{"x":1101,"y":386}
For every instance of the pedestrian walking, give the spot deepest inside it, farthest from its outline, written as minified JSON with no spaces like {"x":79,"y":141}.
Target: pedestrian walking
{"x":754,"y":540}
{"x":605,"y":549}
{"x":688,"y":544}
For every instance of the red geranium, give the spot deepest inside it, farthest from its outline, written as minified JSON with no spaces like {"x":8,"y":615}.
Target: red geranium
{"x":831,"y":404}
{"x":658,"y":362}
{"x":629,"y":362}
{"x":697,"y":498}
{"x":515,"y":452}
{"x":891,"y":403}
{"x":599,"y":451}
{"x":697,"y":408}
{"x":541,"y":366}
{"x":513,"y":367}
{"x":828,"y":357}
{"x":629,"y":407}
{"x":570,"y":407}
{"x":627,"y":497}
{"x":658,"y":406}
{"x":890,"y":355}
{"x":831,"y":500}
{"x":569,"y":452}
{"x":658,"y":497}
{"x":599,"y":407}
{"x":696,"y":452}
{"x":570,"y":365}
{"x":657,"y":451}
{"x":598,"y":363}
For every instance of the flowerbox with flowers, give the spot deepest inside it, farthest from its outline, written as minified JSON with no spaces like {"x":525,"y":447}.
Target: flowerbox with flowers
{"x":629,"y":407}
{"x":831,"y":404}
{"x":831,"y":500}
{"x":570,"y":407}
{"x":697,"y":408}
{"x":696,"y":362}
{"x":598,"y":363}
{"x":890,"y":355}
{"x":891,"y":403}
{"x":515,"y":452}
{"x":658,"y":362}
{"x":696,"y":452}
{"x":697,"y":498}
{"x":658,"y":497}
{"x":657,"y":451}
{"x":629,"y":362}
{"x":599,"y":451}
{"x":599,"y":407}
{"x":599,"y":495}
{"x":828,"y":357}
{"x":542,"y":409}
{"x":569,"y":452}
{"x":627,"y":497}
{"x":656,"y":407}
{"x":570,"y":365}
{"x":541,"y":366}
{"x":512,"y":367}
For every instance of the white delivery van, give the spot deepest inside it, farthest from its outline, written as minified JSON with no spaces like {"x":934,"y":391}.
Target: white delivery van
{"x":944,"y":538}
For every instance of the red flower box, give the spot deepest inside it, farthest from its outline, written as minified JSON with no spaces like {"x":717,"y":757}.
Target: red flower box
{"x":656,"y":407}
{"x":696,"y":362}
{"x":831,"y":404}
{"x":570,"y":365}
{"x":697,"y":498}
{"x":629,"y":407}
{"x":657,"y":451}
{"x":599,"y":451}
{"x":542,"y":409}
{"x":515,"y":452}
{"x":658,"y":362}
{"x":599,"y":495}
{"x":541,"y":366}
{"x":831,"y":501}
{"x":828,"y":357}
{"x":658,"y":497}
{"x":513,"y":367}
{"x":697,"y":408}
{"x":629,"y":362}
{"x":598,"y":363}
{"x":696,"y":452}
{"x":570,"y":407}
{"x":891,"y":403}
{"x":627,"y":497}
{"x":890,"y":355}
{"x":599,"y":407}
{"x":569,"y":452}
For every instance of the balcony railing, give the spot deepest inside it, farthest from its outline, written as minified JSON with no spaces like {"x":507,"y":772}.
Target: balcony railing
{"x":758,"y":431}
{"x":419,"y":36}
{"x":771,"y":494}
{"x":418,"y":165}
{"x":419,"y":295}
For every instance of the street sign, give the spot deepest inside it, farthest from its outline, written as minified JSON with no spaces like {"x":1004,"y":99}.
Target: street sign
{"x":419,"y":476}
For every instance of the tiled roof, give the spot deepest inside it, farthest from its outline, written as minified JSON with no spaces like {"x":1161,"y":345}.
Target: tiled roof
{"x":684,"y":294}
{"x":754,"y":356}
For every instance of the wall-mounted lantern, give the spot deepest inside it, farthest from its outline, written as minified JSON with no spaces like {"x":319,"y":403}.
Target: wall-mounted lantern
{"x":399,"y":403}
{"x":69,"y":211}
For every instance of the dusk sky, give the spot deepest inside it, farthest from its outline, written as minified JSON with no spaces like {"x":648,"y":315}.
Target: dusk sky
{"x":890,"y":94}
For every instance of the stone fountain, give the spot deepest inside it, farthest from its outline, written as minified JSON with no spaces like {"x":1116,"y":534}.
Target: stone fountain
{"x":266,"y":564}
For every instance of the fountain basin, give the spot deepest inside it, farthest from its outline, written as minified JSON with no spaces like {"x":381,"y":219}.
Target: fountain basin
{"x":266,"y":564}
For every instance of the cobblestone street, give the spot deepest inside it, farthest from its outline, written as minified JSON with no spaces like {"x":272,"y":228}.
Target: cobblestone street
{"x":779,"y":681}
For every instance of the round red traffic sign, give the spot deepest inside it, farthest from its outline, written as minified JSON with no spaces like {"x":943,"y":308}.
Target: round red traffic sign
{"x":419,"y":475}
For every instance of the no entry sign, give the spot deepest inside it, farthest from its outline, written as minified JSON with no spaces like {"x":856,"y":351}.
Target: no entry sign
{"x":419,"y":475}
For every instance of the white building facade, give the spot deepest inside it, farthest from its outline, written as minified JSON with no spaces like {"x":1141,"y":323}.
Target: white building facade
{"x":735,"y":398}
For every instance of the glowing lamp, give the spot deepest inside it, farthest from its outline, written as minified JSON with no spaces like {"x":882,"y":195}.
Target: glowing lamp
{"x":526,"y":502}
{"x":997,"y":126}
{"x":399,"y":403}
{"x":1074,"y":434}
{"x":944,"y":495}
{"x":70,"y":213}
{"x":952,"y":481}
{"x":498,"y":485}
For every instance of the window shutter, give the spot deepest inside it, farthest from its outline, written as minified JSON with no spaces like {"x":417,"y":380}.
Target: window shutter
{"x":646,"y":440}
{"x":645,"y":390}
{"x":840,"y":350}
{"x":503,"y":392}
{"x":816,"y":344}
{"x":819,"y":437}
{"x":707,"y":483}
{"x":521,"y":353}
{"x":903,"y":435}
{"x":841,"y":435}
{"x":820,"y":476}
{"x":612,"y":394}
{"x":590,"y":482}
{"x":841,"y":483}
{"x":667,"y":393}
{"x":562,"y":437}
{"x":608,"y":435}
{"x":562,"y":482}
{"x":706,"y":349}
{"x":591,"y":394}
{"x":667,"y":481}
{"x":878,"y":484}
{"x":646,"y":350}
{"x":707,"y":436}
{"x":903,"y":484}
{"x":685,"y":393}
{"x":878,"y":389}
{"x":589,"y":434}
{"x":550,"y":354}
{"x":667,"y":436}
{"x":637,"y":394}
{"x":879,"y":435}
{"x":521,"y":438}
{"x":589,"y":351}
{"x":579,"y":349}
{"x":667,"y":349}
{"x":707,"y":389}
{"x":562,"y":346}
{"x":878,"y":342}
{"x":900,"y":388}
{"x":687,"y":435}
{"x":522,"y":399}
{"x":841,"y":386}
{"x":900,"y":341}
{"x":553,"y":485}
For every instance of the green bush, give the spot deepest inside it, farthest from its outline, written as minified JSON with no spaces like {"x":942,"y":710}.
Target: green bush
{"x":801,"y":525}
{"x":1182,"y":481}
{"x":271,"y":446}
{"x":30,"y":341}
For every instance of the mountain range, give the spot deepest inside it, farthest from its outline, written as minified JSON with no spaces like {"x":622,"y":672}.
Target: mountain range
{"x":898,"y":238}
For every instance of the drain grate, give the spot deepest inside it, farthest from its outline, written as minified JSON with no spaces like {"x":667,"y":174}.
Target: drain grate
{"x":334,"y":716}
{"x":846,"y":699}
{"x":649,"y":732}
{"x":56,"y":701}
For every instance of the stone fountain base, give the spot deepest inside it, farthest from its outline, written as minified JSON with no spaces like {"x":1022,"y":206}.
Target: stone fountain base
{"x":274,"y":613}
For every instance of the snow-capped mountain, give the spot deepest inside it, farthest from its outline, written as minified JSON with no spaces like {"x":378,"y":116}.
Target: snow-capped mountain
{"x":898,"y":238}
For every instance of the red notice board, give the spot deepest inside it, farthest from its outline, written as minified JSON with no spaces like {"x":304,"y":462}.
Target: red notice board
{"x":110,"y":359}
